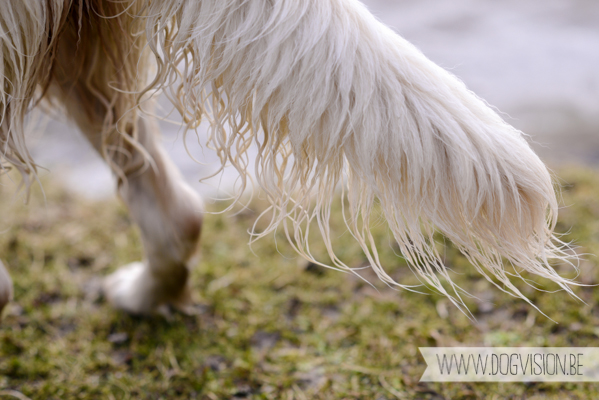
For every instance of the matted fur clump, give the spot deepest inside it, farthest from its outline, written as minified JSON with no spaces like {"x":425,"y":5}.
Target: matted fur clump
{"x":331,"y":97}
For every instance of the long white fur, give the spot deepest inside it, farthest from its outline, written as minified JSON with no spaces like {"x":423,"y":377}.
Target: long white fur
{"x":326,"y":91}
{"x":331,"y":86}
{"x":27,"y":32}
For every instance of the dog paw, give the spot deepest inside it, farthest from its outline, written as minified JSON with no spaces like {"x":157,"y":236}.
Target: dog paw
{"x":129,"y":289}
{"x":5,"y":287}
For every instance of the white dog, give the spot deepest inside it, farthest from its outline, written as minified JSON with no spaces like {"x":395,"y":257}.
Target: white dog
{"x":328,"y":94}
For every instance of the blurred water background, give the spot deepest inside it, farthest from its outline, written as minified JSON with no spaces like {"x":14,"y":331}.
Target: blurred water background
{"x":535,"y":61}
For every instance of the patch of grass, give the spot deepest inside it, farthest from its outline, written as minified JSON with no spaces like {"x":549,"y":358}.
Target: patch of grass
{"x":269,"y":326}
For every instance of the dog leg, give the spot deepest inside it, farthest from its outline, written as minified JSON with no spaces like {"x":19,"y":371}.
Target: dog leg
{"x":97,"y":83}
{"x":169,"y":214}
{"x":5,"y":287}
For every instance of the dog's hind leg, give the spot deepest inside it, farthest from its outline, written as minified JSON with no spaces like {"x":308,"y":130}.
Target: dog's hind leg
{"x":167,"y":211}
{"x":96,"y":82}
{"x":169,"y":214}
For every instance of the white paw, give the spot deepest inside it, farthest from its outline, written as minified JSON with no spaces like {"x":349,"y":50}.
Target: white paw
{"x":5,"y":287}
{"x":130,"y":289}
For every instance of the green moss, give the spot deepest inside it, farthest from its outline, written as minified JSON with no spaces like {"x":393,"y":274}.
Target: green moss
{"x":269,"y":326}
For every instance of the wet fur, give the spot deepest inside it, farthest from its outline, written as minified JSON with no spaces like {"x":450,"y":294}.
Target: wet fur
{"x":328,"y":94}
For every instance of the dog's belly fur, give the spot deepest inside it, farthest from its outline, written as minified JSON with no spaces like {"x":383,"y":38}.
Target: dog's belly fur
{"x":322,"y":88}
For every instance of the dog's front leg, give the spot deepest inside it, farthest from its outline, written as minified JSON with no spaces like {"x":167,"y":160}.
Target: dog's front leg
{"x":5,"y":287}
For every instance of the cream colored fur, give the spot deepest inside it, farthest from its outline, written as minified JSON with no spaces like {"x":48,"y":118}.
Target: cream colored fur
{"x":5,"y":287}
{"x":330,"y":97}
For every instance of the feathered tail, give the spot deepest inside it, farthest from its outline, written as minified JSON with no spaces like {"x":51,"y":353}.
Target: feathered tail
{"x":322,"y":87}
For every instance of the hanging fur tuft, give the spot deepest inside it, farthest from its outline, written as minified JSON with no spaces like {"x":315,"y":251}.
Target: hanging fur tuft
{"x":322,"y":87}
{"x":330,"y":96}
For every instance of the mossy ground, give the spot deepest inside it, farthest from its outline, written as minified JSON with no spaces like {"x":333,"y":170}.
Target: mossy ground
{"x":268,"y":326}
